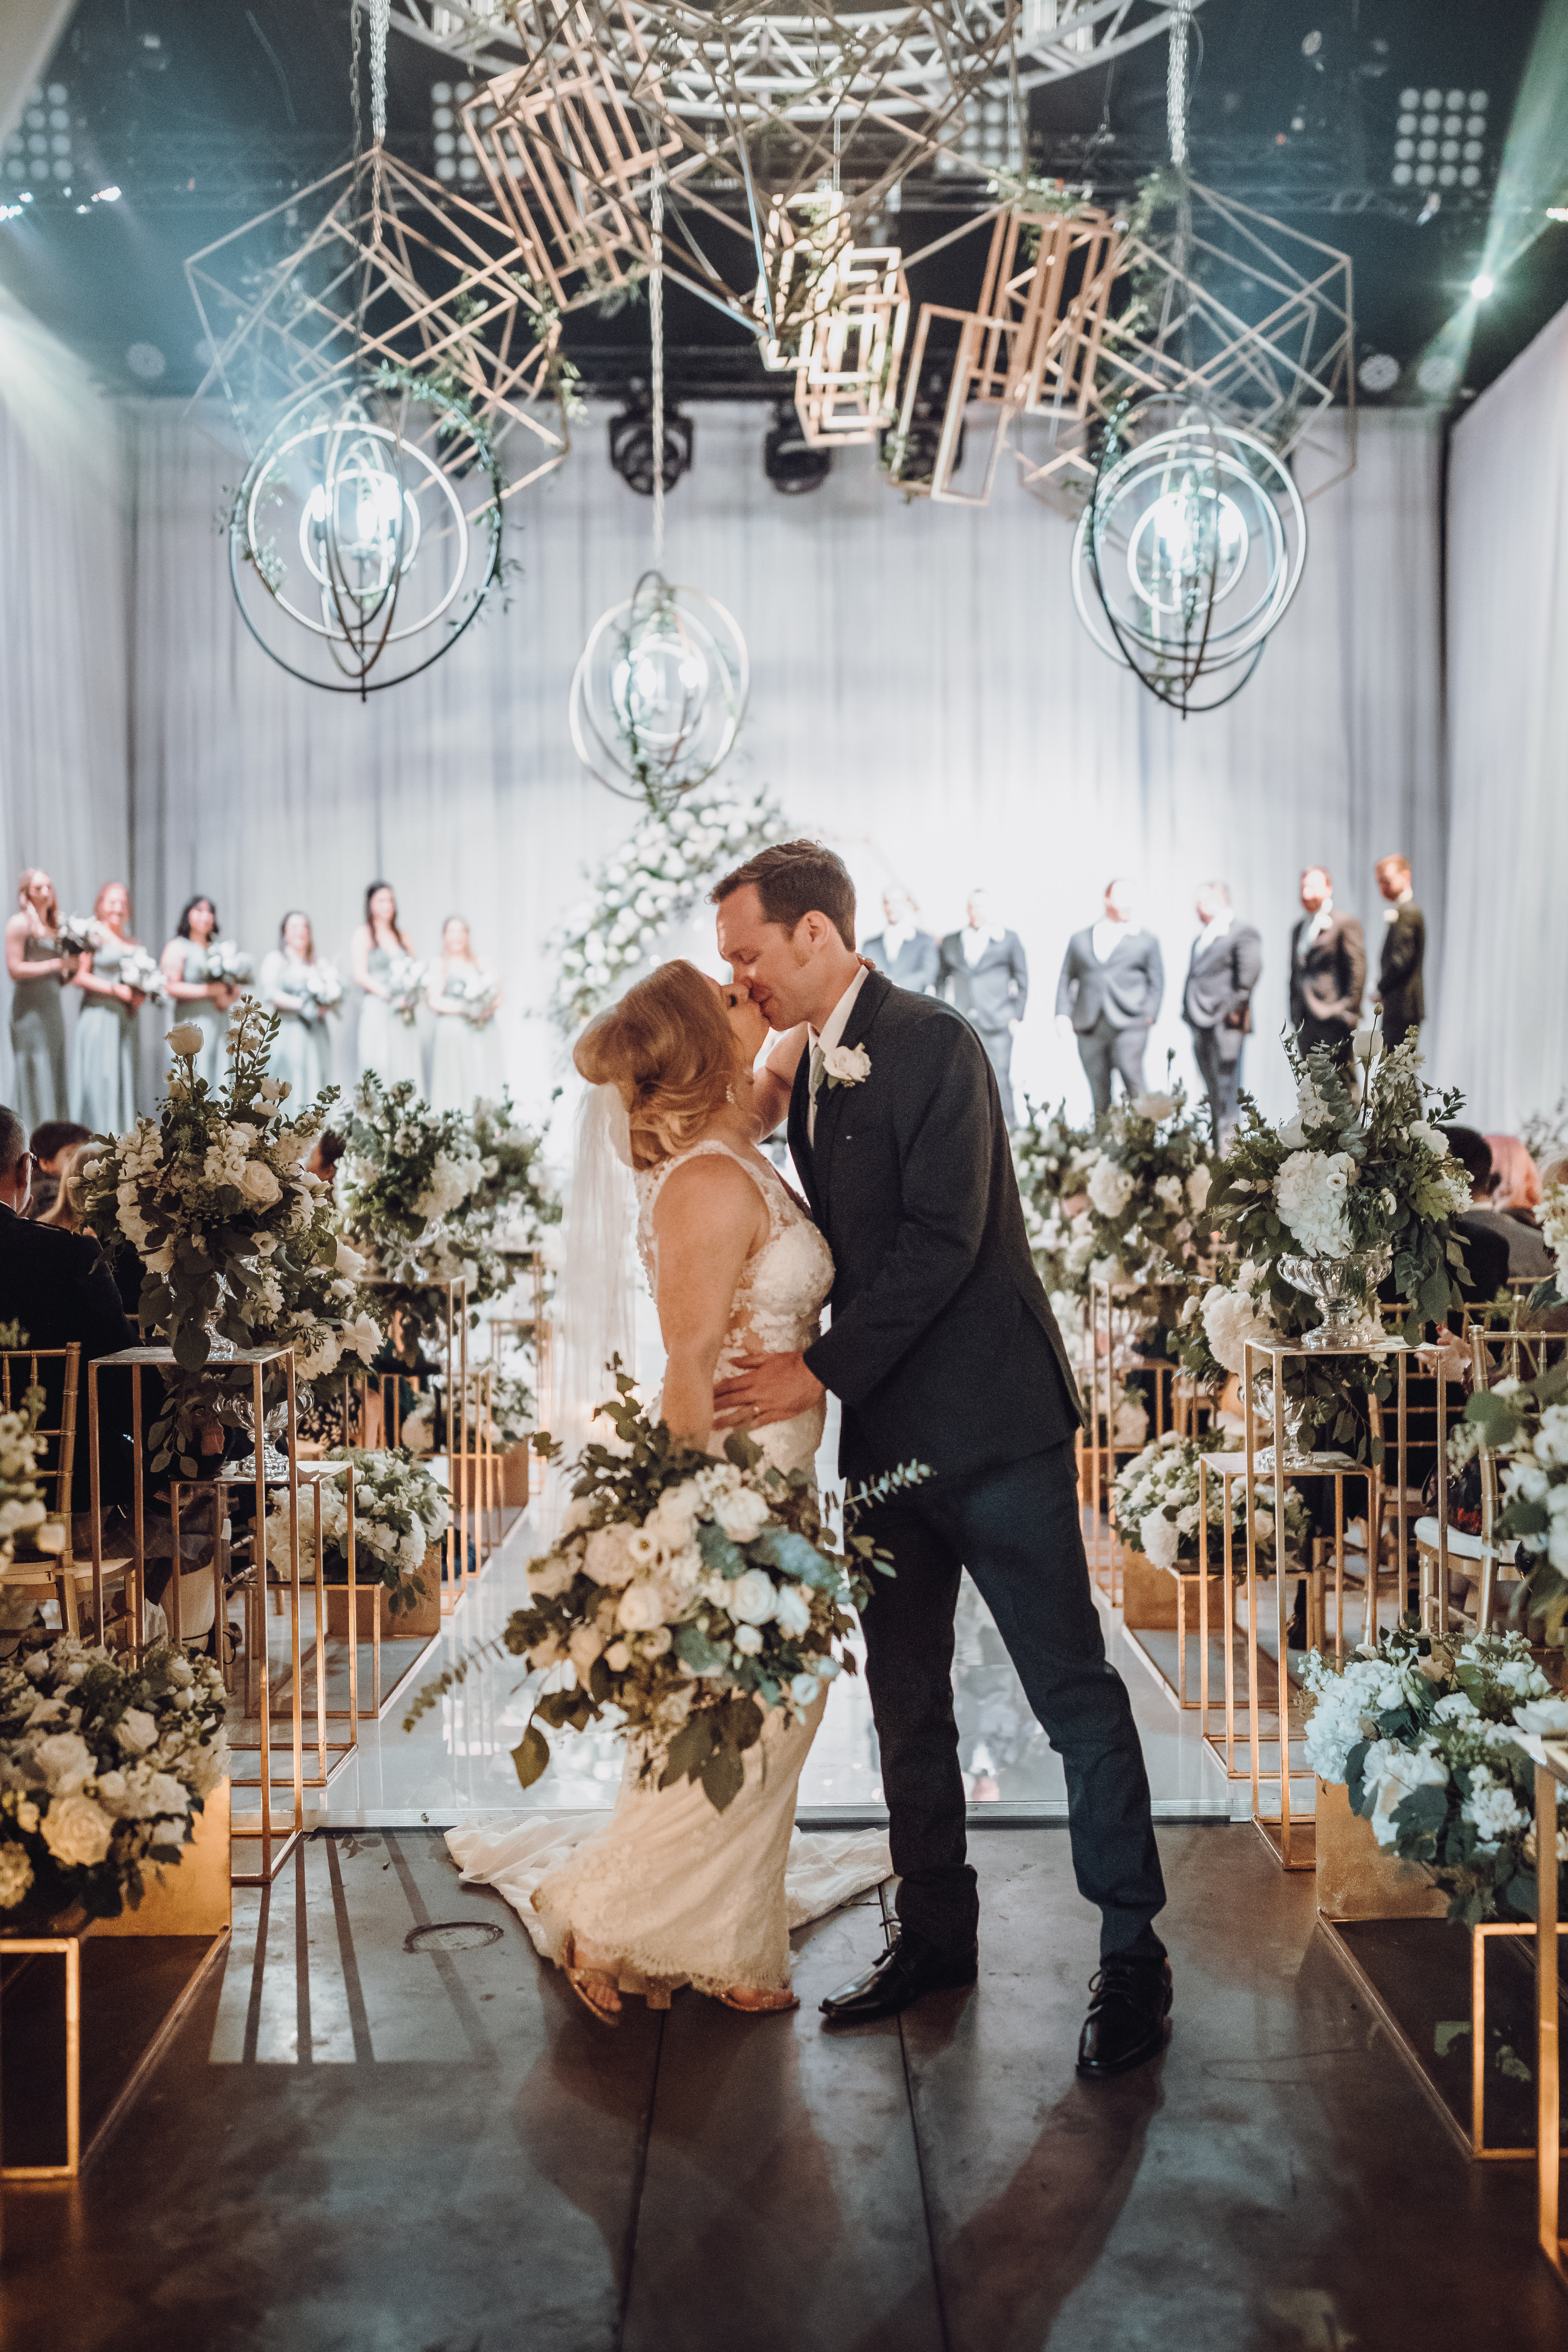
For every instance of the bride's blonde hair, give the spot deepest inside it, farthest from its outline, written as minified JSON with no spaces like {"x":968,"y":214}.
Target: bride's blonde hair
{"x":669,"y":1049}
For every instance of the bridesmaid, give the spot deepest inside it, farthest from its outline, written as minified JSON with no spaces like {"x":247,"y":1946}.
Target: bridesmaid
{"x":104,"y":1050}
{"x":39,"y":972}
{"x":388,"y":1044}
{"x":303,"y":1053}
{"x":205,"y":1002}
{"x":467,"y":1062}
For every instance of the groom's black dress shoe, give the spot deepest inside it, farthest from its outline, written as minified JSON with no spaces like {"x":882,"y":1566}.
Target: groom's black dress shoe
{"x":1126,"y":2021}
{"x":907,"y":1969}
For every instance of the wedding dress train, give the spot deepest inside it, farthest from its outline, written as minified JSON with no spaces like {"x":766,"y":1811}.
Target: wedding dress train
{"x":669,"y":1892}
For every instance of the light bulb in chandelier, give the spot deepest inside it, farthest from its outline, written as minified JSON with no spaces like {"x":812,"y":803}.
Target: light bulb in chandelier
{"x":1189,"y":551}
{"x":660,"y":692}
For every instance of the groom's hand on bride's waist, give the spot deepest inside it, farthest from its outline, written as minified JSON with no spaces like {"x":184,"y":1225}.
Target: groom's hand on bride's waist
{"x":764,"y":1389}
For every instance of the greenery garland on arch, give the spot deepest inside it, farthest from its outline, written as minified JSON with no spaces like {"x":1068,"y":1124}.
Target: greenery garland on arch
{"x":647,"y":885}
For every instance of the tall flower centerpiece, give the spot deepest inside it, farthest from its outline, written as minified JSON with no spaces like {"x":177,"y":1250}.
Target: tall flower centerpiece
{"x":400,"y":1512}
{"x":1144,"y":1226}
{"x":687,"y":1595}
{"x":514,"y":1196}
{"x":1052,"y":1159}
{"x":1157,"y":1512}
{"x":1523,"y":1424}
{"x":406,"y":1171}
{"x":103,"y":1769}
{"x":234,"y":1233}
{"x":1420,"y":1730}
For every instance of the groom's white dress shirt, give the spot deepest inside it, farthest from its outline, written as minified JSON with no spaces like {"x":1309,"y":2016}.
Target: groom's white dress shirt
{"x":896,"y":937}
{"x":831,"y":1031}
{"x":1106,"y":937}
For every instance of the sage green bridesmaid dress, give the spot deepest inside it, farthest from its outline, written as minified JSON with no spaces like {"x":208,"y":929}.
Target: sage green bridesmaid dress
{"x":40,"y":1090}
{"x":211,"y":1019}
{"x":104,"y":1052}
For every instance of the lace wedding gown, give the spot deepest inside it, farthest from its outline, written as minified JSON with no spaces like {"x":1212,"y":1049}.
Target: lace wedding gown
{"x":669,"y":1890}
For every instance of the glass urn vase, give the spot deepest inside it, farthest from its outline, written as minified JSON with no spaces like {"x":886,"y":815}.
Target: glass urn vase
{"x":1345,"y":1291}
{"x":1296,"y":1455}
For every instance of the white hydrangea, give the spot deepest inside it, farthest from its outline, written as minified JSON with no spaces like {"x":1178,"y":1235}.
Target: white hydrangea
{"x":1231,"y":1319}
{"x":1312,"y":1191}
{"x":1111,"y":1189}
{"x":1492,"y":1806}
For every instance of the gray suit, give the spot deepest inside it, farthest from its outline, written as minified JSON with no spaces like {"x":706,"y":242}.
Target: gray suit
{"x":917,"y":966}
{"x":1216,"y":1007}
{"x":1114,"y":1006}
{"x":990,"y":993}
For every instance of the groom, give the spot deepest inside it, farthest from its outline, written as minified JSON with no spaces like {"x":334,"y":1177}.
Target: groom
{"x":944,"y":1350}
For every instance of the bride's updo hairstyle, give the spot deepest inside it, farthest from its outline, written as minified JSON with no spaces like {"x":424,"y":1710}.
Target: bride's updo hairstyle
{"x":669,"y":1049}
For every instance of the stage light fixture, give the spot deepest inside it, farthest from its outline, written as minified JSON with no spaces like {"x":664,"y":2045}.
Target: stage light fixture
{"x":107,"y":197}
{"x":631,"y":446}
{"x":455,"y":157}
{"x":1557,"y":212}
{"x":792,"y":463}
{"x":1438,"y":376}
{"x":1483,"y":285}
{"x":1379,"y":372}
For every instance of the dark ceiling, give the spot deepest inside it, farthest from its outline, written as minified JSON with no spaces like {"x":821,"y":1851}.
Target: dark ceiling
{"x":203,"y":113}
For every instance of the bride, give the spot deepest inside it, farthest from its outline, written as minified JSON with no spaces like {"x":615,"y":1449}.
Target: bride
{"x":669,"y":1891}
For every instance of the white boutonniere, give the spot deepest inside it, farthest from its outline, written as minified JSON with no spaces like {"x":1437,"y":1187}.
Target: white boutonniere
{"x":845,"y":1066}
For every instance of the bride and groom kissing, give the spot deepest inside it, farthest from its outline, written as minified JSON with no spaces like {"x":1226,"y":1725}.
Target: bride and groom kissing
{"x":942,"y":1351}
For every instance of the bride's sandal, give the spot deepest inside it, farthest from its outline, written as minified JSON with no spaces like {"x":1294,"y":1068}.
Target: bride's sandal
{"x":758,"y":2004}
{"x":589,"y":1984}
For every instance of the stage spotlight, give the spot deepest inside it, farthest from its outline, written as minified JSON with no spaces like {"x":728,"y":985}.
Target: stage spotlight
{"x":1438,"y":376}
{"x":1483,"y":285}
{"x":455,"y":158}
{"x":789,"y":460}
{"x":146,"y":360}
{"x":631,"y":446}
{"x":1378,"y":372}
{"x":107,"y":197}
{"x":1557,"y":212}
{"x":40,"y":145}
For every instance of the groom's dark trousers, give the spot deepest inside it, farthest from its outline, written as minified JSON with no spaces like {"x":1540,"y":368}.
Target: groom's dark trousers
{"x":944,"y":1350}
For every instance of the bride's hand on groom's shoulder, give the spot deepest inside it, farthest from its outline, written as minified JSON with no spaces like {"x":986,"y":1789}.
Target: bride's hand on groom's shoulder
{"x":765,"y":1389}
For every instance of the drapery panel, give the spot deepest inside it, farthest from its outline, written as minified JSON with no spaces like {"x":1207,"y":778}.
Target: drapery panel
{"x":1502,"y":1032}
{"x":923,"y":694}
{"x":64,"y":689}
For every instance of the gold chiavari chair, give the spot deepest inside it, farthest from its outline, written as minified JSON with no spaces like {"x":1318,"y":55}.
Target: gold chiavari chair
{"x":44,"y":1562}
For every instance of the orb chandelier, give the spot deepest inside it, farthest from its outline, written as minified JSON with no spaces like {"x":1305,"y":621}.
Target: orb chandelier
{"x":367,"y":534}
{"x":660,"y":692}
{"x":1188,"y":552}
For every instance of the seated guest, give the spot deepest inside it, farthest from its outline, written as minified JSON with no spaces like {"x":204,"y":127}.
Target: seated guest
{"x":65,"y":1212}
{"x":49,"y":1143}
{"x":1517,"y":1186}
{"x":1495,"y":1248}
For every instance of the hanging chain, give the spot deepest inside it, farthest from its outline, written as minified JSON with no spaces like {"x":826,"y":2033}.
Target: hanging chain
{"x":379,"y":15}
{"x":655,"y":327}
{"x":1176,"y":83}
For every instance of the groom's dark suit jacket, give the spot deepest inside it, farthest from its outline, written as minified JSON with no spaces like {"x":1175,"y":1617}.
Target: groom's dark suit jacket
{"x":943,"y":1348}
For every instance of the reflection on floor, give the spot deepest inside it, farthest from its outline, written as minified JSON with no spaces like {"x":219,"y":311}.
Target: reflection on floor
{"x":393,"y":2130}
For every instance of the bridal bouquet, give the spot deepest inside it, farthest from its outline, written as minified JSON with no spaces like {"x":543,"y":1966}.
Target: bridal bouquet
{"x":103,"y":1768}
{"x":142,"y":972}
{"x":234,"y":1233}
{"x":1345,"y":1176}
{"x":1420,"y":1731}
{"x":1525,"y":1425}
{"x":223,"y":960}
{"x":687,"y":1594}
{"x":400,"y":1511}
{"x":1143,"y":1226}
{"x":1052,"y":1159}
{"x":1155,"y":1507}
{"x":477,"y":992}
{"x":323,"y":983}
{"x":405,"y":983}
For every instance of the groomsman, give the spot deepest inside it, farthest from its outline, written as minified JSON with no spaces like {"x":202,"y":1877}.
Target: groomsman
{"x":1399,"y":991}
{"x":910,"y":958}
{"x":985,"y":974}
{"x":1110,"y":993}
{"x":1328,"y":967}
{"x":1216,"y":1003}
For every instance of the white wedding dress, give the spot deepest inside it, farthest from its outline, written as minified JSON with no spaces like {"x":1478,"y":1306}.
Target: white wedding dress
{"x":669,"y":1892}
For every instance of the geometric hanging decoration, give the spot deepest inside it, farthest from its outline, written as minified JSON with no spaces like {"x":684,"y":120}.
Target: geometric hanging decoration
{"x":660,"y":692}
{"x":1189,"y":551}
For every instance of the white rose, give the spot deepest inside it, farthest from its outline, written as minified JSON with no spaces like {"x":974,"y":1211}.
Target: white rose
{"x":65,"y":1760}
{"x":655,"y":1644}
{"x":16,"y":1875}
{"x":551,"y":1573}
{"x":641,"y":1609}
{"x":1161,"y":1543}
{"x":1154,"y":1106}
{"x":1548,"y":1717}
{"x":76,"y":1832}
{"x":1198,"y":1184}
{"x":743,"y":1516}
{"x":162,"y":1796}
{"x":752,"y":1597}
{"x":617,"y":1657}
{"x":349,"y":1260}
{"x":673,"y":1519}
{"x":804,"y":1689}
{"x":583,"y":1644}
{"x":259,"y":1184}
{"x":747,"y":1639}
{"x":849,"y":1064}
{"x":576,"y":1513}
{"x":794,"y":1609}
{"x":136,"y":1730}
{"x":1111,"y":1189}
{"x":608,"y":1559}
{"x":186,"y":1039}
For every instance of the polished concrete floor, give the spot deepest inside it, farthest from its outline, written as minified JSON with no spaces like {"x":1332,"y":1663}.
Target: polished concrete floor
{"x":392,"y":2130}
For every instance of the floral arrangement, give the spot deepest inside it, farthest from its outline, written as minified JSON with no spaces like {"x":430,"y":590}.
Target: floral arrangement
{"x":141,"y":971}
{"x":514,"y":1194}
{"x":400,"y":1511}
{"x":407,"y":1170}
{"x":1346,"y":1174}
{"x":646,"y":886}
{"x":1143,"y":1226}
{"x":234,"y":1233}
{"x":477,"y":992}
{"x":21,"y":1501}
{"x":1554,"y":1233}
{"x":690,"y":1595}
{"x":223,"y":960}
{"x":1525,"y":1425}
{"x":1156,"y":1505}
{"x":407,"y":980}
{"x":103,"y":1769}
{"x":1420,"y":1730}
{"x":78,"y":934}
{"x":1052,"y":1159}
{"x":323,"y":983}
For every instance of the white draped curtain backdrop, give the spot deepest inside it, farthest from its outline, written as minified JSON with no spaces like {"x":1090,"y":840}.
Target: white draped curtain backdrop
{"x":923,"y":695}
{"x":1502,"y":1028}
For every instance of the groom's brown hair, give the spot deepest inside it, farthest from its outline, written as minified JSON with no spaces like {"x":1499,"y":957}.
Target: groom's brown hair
{"x":791,"y":879}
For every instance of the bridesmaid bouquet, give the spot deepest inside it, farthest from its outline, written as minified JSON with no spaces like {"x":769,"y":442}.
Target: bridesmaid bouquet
{"x":225,"y":961}
{"x":77,"y":934}
{"x":406,"y":980}
{"x":143,"y":972}
{"x":323,"y":985}
{"x":476,"y":993}
{"x":688,"y":1595}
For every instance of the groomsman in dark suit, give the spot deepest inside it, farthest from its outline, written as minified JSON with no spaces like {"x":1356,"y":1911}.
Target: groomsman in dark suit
{"x":986,"y":974}
{"x":1216,"y":1003}
{"x":910,"y":958}
{"x":1328,"y":967}
{"x":1399,"y":991}
{"x":1110,"y":993}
